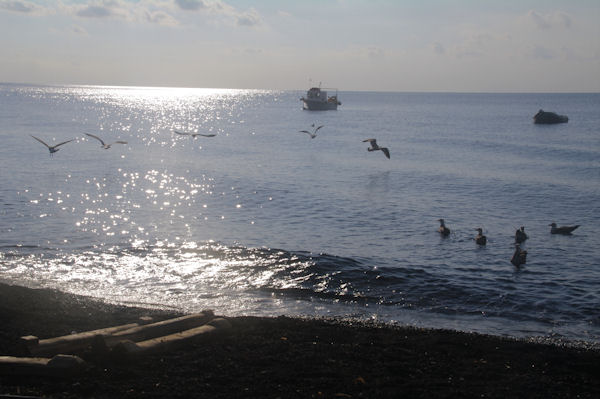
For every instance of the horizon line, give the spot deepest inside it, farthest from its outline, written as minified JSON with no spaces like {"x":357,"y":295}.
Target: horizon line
{"x":297,"y":89}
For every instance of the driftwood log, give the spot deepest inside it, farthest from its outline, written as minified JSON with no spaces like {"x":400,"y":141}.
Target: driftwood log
{"x":31,"y":345}
{"x":161,"y":328}
{"x":172,"y":341}
{"x":59,"y":365}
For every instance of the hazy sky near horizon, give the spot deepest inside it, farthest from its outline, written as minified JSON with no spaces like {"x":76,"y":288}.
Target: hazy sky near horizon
{"x":380,"y":45}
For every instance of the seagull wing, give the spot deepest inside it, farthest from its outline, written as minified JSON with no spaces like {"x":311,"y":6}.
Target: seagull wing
{"x":206,"y":135}
{"x":369,"y":141}
{"x":386,"y":152}
{"x":96,"y":137}
{"x":182,"y":133}
{"x":64,"y":142}
{"x":40,"y":141}
{"x":319,"y":128}
{"x":312,"y":135}
{"x":120,"y":142}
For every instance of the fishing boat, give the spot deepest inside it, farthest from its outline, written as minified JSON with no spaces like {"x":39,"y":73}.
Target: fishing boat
{"x":544,"y":117}
{"x":317,"y":100}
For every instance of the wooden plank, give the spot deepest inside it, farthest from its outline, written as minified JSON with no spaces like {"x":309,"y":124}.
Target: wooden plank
{"x":60,"y":365}
{"x":171,"y":341}
{"x":67,"y":343}
{"x":158,"y":329}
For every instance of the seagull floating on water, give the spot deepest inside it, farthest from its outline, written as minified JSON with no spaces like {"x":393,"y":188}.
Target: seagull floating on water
{"x":194,"y":134}
{"x":562,"y":229}
{"x":480,"y":239}
{"x":104,"y":145}
{"x":443,"y":230}
{"x":519,"y":256}
{"x":52,"y":148}
{"x":314,"y":133}
{"x":520,"y":235}
{"x":375,"y":147}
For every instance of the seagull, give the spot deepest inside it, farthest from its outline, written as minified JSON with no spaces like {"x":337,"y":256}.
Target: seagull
{"x":519,"y":256}
{"x":194,"y":134}
{"x":443,"y":230}
{"x":520,"y":235}
{"x":104,"y":145}
{"x":314,"y":133}
{"x":480,"y":238}
{"x":375,"y":147}
{"x":562,"y":229}
{"x":52,"y":148}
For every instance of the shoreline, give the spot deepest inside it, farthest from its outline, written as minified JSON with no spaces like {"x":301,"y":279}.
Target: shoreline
{"x":295,"y":357}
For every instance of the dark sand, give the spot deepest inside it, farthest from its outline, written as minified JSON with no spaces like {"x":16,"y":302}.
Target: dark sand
{"x":295,"y":358}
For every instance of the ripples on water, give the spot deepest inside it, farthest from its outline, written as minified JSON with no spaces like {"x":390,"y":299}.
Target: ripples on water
{"x":263,"y":220}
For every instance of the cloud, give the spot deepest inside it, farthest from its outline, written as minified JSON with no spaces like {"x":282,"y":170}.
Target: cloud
{"x":191,"y":5}
{"x":538,"y":20}
{"x":79,"y":30}
{"x":159,"y":12}
{"x":94,"y":12}
{"x":24,"y":7}
{"x":160,"y":18}
{"x":17,"y":6}
{"x":557,"y":19}
{"x":104,"y":9}
{"x":565,"y":20}
{"x":475,"y":45}
{"x":438,"y":48}
{"x":375,"y":52}
{"x":542,"y":52}
{"x":144,"y":11}
{"x":249,"y":18}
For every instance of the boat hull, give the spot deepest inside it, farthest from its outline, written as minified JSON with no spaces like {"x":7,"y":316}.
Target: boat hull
{"x":318,"y":105}
{"x":547,"y":118}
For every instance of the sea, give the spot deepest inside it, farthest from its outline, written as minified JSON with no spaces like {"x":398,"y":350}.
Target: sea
{"x":261,"y":219}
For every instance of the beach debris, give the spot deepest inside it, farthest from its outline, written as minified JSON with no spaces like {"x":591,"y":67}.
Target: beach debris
{"x":480,"y":239}
{"x":31,"y":345}
{"x":443,"y":230}
{"x":57,"y":366}
{"x":194,"y":134}
{"x":566,"y":230}
{"x":314,"y":132}
{"x":103,"y":144}
{"x":520,"y":235}
{"x":153,"y":330}
{"x":52,"y":148}
{"x":375,"y":147}
{"x":129,"y":339}
{"x":172,"y":341}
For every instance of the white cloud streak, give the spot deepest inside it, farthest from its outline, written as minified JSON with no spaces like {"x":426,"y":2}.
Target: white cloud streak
{"x":160,"y":12}
{"x":553,"y":20}
{"x":24,"y":7}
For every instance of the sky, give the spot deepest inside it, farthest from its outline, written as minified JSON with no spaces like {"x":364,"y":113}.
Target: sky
{"x":370,"y":45}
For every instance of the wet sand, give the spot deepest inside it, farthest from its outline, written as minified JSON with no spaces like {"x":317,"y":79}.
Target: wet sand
{"x":294,"y":358}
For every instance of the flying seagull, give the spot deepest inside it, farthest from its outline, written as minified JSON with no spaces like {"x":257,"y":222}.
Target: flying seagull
{"x":194,"y":134}
{"x":375,"y":147}
{"x":562,"y":229}
{"x":104,"y":145}
{"x":314,"y":133}
{"x":52,"y":148}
